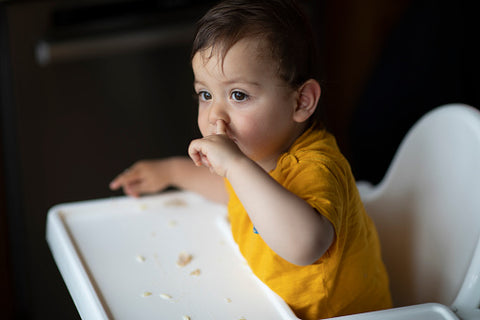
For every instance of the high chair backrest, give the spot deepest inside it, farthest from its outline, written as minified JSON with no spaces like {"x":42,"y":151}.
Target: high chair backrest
{"x":427,"y":210}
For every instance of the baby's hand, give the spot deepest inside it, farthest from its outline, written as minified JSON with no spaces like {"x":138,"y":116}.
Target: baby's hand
{"x":216,"y":152}
{"x":146,"y":176}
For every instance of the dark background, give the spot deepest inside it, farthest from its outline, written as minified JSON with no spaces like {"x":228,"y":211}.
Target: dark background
{"x":69,"y":126}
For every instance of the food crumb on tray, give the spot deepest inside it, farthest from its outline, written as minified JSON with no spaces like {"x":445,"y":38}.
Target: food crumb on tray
{"x":184,"y":259}
{"x":185,"y":318}
{"x":140,"y":258}
{"x":146,"y":294}
{"x":165,"y":296}
{"x":176,"y":202}
{"x":195,"y":272}
{"x":142,"y":207}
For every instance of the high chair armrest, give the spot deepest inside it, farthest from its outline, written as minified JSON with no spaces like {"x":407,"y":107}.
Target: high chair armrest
{"x":426,"y":311}
{"x":472,"y":314}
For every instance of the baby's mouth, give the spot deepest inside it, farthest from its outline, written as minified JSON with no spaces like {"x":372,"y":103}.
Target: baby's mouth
{"x":233,"y":139}
{"x":225,"y":129}
{"x":231,"y":136}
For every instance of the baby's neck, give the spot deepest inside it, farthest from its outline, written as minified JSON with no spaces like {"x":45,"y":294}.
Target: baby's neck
{"x":271,"y":163}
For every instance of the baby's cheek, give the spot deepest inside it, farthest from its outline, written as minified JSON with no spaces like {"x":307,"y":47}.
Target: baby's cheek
{"x":202,"y":125}
{"x":248,"y":143}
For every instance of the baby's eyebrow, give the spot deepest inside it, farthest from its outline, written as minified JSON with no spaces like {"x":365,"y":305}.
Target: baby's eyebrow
{"x":197,"y":82}
{"x":243,"y":81}
{"x":230,"y":82}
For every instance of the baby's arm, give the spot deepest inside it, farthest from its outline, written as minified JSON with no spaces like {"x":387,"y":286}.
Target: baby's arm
{"x":287,"y":223}
{"x":150,"y":176}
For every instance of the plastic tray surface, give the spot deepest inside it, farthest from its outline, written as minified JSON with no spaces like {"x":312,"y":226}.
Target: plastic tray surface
{"x":159,"y":257}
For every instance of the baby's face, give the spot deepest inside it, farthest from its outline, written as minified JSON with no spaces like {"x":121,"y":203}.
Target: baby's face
{"x":247,"y":94}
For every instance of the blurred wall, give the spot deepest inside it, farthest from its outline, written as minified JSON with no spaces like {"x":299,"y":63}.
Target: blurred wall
{"x":389,"y":62}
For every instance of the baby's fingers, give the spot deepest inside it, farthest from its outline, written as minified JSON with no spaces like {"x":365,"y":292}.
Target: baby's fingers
{"x":116,"y":183}
{"x":205,"y":161}
{"x":197,"y":154}
{"x":126,"y":177}
{"x":194,"y":153}
{"x":133,"y":190}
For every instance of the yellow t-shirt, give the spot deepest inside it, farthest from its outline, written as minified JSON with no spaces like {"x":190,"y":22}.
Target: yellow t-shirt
{"x":350,"y":277}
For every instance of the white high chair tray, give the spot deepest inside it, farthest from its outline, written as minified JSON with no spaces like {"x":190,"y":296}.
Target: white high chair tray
{"x":118,"y":258}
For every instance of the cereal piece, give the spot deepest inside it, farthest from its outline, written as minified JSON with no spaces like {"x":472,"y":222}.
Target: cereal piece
{"x":195,"y":272}
{"x":228,"y":300}
{"x":176,"y":202}
{"x":146,"y":294}
{"x":185,"y":318}
{"x":142,"y":207}
{"x":140,"y":258}
{"x":165,"y":296}
{"x":172,"y":223}
{"x":184,"y":259}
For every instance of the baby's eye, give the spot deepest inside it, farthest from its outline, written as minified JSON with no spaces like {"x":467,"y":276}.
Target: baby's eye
{"x":239,"y":96}
{"x":204,"y":95}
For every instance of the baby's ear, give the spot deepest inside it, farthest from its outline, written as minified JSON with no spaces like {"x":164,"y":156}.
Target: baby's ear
{"x":307,"y":100}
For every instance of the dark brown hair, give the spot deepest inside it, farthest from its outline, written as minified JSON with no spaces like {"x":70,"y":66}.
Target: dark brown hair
{"x":280,"y":24}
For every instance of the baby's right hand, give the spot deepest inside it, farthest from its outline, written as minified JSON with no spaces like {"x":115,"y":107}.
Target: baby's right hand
{"x":146,"y":176}
{"x":216,"y":151}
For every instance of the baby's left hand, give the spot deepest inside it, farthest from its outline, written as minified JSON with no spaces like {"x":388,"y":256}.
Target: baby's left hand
{"x":216,"y":152}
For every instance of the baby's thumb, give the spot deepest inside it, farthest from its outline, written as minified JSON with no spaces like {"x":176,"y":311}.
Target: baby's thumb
{"x":221,"y":127}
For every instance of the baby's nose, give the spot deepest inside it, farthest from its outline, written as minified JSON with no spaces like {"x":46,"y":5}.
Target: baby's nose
{"x":218,"y":112}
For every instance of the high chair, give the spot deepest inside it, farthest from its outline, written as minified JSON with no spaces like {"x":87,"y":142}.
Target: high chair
{"x":427,"y":212}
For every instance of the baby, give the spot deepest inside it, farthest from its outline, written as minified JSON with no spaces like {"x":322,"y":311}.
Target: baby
{"x":294,"y":208}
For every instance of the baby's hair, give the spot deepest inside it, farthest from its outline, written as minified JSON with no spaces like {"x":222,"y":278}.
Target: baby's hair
{"x":280,"y":24}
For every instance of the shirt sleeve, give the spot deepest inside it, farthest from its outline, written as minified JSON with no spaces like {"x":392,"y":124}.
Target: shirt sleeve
{"x":319,"y":181}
